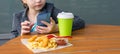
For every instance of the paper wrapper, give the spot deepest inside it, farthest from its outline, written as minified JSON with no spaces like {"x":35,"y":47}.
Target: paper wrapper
{"x":25,"y":42}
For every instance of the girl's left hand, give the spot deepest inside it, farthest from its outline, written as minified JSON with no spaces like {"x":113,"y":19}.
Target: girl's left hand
{"x":51,"y":27}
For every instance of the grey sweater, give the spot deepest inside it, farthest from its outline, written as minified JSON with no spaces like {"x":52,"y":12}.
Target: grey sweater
{"x":22,"y":16}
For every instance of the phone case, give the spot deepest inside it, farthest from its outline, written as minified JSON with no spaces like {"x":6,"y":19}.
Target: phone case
{"x":43,"y":17}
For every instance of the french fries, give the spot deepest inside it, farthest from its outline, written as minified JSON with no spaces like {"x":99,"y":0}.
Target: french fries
{"x":43,"y":42}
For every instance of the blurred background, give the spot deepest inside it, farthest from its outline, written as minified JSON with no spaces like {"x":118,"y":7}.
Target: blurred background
{"x":92,"y":11}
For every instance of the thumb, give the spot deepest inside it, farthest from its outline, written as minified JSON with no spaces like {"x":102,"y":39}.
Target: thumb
{"x":52,"y":21}
{"x":31,"y":25}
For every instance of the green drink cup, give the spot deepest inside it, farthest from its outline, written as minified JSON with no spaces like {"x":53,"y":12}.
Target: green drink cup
{"x":65,"y":21}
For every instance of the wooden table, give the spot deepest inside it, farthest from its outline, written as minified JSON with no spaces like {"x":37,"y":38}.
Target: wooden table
{"x":93,"y":39}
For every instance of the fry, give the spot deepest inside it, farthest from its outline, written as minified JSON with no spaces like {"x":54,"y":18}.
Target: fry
{"x":42,"y":42}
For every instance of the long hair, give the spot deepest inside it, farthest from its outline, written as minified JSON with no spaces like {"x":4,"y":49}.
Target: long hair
{"x":24,"y":5}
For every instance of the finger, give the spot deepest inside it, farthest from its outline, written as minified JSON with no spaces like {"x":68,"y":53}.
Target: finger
{"x":38,"y":30}
{"x":31,"y":25}
{"x":25,"y":27}
{"x":37,"y":27}
{"x":42,"y":28}
{"x":46,"y":23}
{"x":25,"y":31}
{"x":52,"y":21}
{"x":42,"y":31}
{"x":25,"y":23}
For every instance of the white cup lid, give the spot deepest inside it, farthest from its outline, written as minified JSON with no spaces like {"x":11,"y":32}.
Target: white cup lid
{"x":65,"y":15}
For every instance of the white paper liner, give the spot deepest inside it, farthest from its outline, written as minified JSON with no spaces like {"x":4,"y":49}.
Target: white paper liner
{"x":25,"y":42}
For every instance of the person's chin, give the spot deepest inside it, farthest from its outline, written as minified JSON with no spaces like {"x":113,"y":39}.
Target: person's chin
{"x":38,"y":8}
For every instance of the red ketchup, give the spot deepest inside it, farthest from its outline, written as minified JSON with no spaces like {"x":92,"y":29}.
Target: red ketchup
{"x":50,"y":36}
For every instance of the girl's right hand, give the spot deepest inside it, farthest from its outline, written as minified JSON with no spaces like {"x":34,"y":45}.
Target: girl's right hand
{"x":26,"y":27}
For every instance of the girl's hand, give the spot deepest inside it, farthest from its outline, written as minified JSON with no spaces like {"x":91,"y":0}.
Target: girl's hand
{"x":51,"y":27}
{"x":26,"y":27}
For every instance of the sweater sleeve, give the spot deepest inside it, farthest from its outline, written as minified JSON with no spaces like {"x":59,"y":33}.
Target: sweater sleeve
{"x":78,"y":23}
{"x":15,"y":25}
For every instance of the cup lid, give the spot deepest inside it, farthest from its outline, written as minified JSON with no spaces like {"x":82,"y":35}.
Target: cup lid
{"x":65,"y":15}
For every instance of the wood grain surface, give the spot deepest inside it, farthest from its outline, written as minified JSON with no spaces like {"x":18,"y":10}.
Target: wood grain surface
{"x":93,"y":39}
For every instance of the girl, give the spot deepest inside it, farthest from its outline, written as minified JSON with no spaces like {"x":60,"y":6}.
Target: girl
{"x":24,"y":22}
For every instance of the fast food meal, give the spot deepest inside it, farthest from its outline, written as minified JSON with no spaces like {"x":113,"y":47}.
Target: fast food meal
{"x":46,"y":42}
{"x":38,"y":44}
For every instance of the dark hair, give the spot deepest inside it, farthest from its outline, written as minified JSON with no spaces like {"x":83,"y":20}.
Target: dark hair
{"x":24,"y":5}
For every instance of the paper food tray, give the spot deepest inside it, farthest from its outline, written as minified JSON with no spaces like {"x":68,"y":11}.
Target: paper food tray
{"x":25,"y":42}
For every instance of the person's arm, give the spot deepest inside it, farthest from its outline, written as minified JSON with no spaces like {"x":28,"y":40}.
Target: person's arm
{"x":78,"y":23}
{"x":15,"y":25}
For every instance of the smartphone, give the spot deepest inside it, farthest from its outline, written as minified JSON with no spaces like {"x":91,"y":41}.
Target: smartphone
{"x":43,"y":17}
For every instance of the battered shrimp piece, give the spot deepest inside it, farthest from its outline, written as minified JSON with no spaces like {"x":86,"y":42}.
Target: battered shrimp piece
{"x":32,"y":38}
{"x":45,"y":41}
